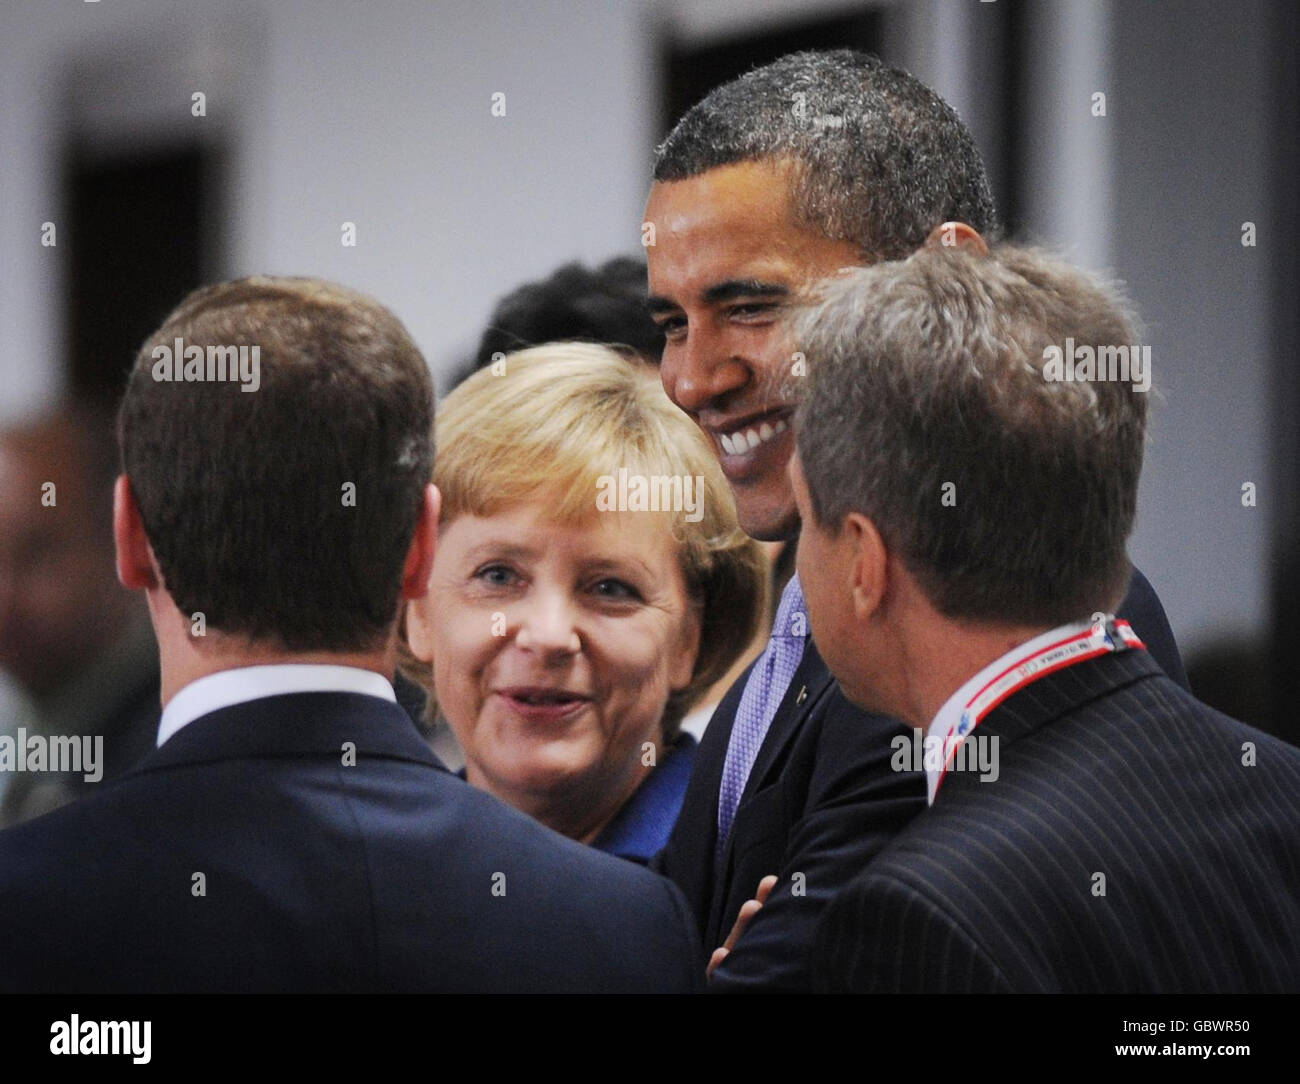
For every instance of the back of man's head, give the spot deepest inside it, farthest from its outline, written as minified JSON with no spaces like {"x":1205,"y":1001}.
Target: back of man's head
{"x":948,"y":401}
{"x":879,"y":158}
{"x":279,"y":482}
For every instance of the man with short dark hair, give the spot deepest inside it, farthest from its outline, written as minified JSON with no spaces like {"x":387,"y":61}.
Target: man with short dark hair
{"x":292,"y":832}
{"x":812,"y":163}
{"x":966,"y":499}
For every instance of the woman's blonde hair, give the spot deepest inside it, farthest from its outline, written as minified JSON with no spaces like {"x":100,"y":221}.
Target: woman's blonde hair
{"x":553,"y":420}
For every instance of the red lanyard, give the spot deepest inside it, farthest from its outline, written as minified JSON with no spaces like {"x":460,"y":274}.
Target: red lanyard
{"x":1100,"y":638}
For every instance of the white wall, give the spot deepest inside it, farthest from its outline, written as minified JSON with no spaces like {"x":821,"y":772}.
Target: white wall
{"x":377,"y":113}
{"x":1192,"y":159}
{"x":1156,"y":191}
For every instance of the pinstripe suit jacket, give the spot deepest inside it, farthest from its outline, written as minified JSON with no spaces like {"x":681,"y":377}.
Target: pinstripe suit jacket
{"x":1109,"y":768}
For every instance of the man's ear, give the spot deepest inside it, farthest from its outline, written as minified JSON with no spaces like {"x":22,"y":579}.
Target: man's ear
{"x":419,"y":558}
{"x":869,"y":567}
{"x":957,"y":235}
{"x":419,"y":628}
{"x":135,"y":563}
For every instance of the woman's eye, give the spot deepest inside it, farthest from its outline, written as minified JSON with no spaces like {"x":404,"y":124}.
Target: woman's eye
{"x":616,"y":589}
{"x":496,"y":575}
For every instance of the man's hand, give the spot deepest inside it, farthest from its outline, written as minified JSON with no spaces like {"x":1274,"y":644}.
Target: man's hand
{"x":748,"y":910}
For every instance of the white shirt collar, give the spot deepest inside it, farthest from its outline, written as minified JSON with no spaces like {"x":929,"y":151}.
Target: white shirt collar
{"x":229,"y":687}
{"x":948,"y":718}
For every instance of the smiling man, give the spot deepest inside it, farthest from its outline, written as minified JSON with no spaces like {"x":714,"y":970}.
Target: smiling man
{"x":730,"y":254}
{"x":816,"y":162}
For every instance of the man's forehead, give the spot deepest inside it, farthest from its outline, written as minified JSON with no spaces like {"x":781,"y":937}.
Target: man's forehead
{"x":751,"y":266}
{"x":730,"y":224}
{"x":737,"y":201}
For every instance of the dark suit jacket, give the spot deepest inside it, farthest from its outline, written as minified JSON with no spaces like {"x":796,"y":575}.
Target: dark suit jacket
{"x":1106,"y":769}
{"x":319,"y":876}
{"x":1142,"y":609}
{"x":821,"y":801}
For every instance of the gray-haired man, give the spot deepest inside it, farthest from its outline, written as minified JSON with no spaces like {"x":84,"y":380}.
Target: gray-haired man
{"x":1094,"y":829}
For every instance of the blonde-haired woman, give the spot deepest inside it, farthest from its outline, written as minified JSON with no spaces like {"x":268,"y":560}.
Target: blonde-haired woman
{"x":591,"y":583}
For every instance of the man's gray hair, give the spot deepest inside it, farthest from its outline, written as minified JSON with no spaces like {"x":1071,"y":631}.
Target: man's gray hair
{"x":879,"y":158}
{"x":935,"y":405}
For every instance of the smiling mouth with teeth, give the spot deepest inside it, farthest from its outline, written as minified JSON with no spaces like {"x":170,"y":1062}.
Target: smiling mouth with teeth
{"x":746,"y":440}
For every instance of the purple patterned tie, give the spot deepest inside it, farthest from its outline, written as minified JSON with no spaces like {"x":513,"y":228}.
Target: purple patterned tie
{"x":764,"y":691}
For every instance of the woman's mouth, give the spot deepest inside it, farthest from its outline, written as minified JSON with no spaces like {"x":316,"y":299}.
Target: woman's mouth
{"x":539,"y":703}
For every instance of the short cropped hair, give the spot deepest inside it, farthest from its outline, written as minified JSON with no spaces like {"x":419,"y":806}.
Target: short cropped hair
{"x":879,"y":158}
{"x":562,"y":416}
{"x":931,"y":407}
{"x":284,"y":513}
{"x":604,"y":304}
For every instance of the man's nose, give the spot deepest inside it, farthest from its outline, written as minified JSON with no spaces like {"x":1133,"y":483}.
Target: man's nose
{"x":700,"y":369}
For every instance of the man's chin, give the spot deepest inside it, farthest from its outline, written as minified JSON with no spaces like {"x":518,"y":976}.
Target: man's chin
{"x":769,"y":522}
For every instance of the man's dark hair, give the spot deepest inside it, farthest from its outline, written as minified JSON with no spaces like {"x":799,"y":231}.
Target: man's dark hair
{"x":245,"y":495}
{"x":879,"y":159}
{"x":602,"y":305}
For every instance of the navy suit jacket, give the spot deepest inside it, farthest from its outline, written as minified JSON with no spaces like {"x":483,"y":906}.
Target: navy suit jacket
{"x":1134,"y":841}
{"x":820,"y":802}
{"x":246,"y":855}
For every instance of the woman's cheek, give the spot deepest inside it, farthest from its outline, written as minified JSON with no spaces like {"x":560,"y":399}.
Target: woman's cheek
{"x":632,"y":665}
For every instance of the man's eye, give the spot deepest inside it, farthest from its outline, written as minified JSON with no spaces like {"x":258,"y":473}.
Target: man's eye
{"x":757,"y":308}
{"x":672,"y":325}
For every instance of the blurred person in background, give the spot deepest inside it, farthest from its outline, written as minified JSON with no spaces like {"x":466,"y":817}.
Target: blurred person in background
{"x":75,"y":641}
{"x":568,"y":636}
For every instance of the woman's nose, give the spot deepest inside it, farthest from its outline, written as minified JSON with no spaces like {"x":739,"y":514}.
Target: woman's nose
{"x":547,"y":624}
